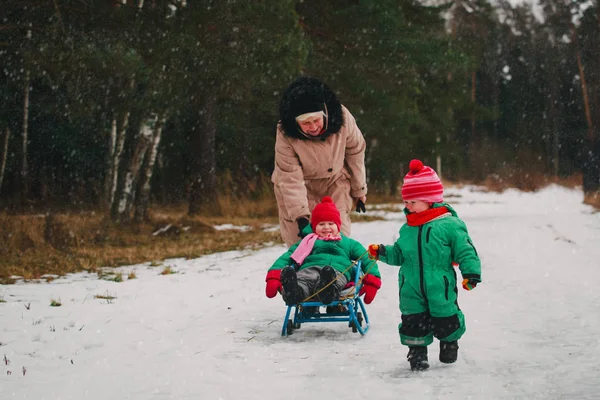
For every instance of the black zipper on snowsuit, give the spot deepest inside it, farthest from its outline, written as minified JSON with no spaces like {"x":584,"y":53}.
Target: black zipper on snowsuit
{"x":421,"y":266}
{"x":447,"y":285}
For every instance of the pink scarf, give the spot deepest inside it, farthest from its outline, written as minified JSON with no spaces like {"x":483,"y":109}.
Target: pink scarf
{"x":306,"y":245}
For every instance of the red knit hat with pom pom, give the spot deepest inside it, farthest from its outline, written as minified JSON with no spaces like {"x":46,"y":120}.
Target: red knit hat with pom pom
{"x":422,"y":183}
{"x":325,"y":211}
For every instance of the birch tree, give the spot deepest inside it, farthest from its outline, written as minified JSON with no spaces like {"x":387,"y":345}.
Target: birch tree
{"x":126,"y":188}
{"x":108,"y":178}
{"x":116,"y":144}
{"x":143,"y":198}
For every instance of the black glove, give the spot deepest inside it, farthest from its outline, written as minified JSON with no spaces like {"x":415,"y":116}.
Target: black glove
{"x":360,"y":206}
{"x":302,"y":223}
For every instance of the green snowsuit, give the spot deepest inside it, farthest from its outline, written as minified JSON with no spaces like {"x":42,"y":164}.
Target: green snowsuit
{"x":427,"y":279}
{"x":338,"y":254}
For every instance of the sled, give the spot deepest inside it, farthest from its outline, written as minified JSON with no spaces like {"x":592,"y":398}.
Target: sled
{"x":349,"y":308}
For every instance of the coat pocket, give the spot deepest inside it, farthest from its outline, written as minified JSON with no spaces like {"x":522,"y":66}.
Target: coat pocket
{"x":446,"y":286}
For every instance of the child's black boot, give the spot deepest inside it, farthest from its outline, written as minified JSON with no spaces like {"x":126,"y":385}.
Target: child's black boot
{"x":417,"y":357}
{"x":291,"y":291}
{"x":448,"y":352}
{"x":331,"y":292}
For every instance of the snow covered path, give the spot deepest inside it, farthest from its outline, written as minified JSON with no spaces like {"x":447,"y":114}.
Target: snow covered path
{"x":209,"y":332}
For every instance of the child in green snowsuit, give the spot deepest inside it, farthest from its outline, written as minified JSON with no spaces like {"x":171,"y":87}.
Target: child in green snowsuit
{"x":432,"y":243}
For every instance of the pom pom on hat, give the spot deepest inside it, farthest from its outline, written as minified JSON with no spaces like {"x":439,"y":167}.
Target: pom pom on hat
{"x":415,"y":166}
{"x":422,"y":183}
{"x":326,"y":210}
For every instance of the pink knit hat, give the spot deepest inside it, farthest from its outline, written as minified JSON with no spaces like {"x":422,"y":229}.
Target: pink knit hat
{"x":422,"y":183}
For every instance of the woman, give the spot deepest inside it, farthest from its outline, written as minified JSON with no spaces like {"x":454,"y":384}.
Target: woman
{"x":319,"y":151}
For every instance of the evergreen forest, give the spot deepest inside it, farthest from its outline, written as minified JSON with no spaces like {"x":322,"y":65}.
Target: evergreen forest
{"x":122,"y":105}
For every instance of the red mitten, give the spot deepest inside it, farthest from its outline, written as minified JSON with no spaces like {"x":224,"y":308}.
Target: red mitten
{"x":373,"y":251}
{"x":371,"y":285}
{"x":273,"y":283}
{"x":376,"y":251}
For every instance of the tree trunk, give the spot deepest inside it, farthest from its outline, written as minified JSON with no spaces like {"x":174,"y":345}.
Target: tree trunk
{"x":586,"y":100}
{"x":116,"y":160}
{"x":591,"y":163}
{"x":495,"y":102}
{"x":24,"y":166}
{"x":4,"y":156}
{"x":141,"y":206}
{"x":108,"y":178}
{"x":554,"y":125}
{"x":162,"y":184}
{"x":473,"y":102}
{"x":203,"y":190}
{"x":555,"y":144}
{"x":591,"y":169}
{"x":125,"y":195}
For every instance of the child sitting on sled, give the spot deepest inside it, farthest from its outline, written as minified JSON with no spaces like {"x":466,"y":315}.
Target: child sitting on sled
{"x":316,"y":268}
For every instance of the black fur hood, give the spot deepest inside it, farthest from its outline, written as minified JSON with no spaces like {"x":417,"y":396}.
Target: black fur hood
{"x":305,"y":95}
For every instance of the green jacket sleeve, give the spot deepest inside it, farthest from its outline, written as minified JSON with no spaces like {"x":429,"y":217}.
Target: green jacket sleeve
{"x":285,"y":259}
{"x":464,"y":253}
{"x":393,"y":255}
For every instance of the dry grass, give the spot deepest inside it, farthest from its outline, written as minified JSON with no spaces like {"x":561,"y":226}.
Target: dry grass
{"x":168,"y":270}
{"x":35,"y":245}
{"x":107,"y":296}
{"x":57,"y":244}
{"x":593,"y":200}
{"x":55,"y":303}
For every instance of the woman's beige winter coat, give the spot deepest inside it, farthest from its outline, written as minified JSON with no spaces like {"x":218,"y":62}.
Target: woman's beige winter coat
{"x":307,"y":170}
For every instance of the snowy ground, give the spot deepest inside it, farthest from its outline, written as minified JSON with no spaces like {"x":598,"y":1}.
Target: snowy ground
{"x":209,"y":332}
